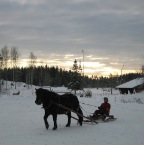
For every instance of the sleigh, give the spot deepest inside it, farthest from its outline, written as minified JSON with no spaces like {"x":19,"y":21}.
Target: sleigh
{"x":86,"y":119}
{"x":102,"y":118}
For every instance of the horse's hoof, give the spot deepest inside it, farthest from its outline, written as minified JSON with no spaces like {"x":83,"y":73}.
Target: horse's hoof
{"x":80,"y":123}
{"x":54,"y":128}
{"x":68,"y":125}
{"x":47,"y":126}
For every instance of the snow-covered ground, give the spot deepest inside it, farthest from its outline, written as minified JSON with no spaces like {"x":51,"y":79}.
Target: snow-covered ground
{"x":21,"y":120}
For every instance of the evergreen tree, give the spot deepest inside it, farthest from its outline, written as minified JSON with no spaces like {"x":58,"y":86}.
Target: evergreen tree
{"x":75,"y":78}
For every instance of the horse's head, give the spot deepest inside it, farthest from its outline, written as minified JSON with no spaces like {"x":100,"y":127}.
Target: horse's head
{"x":39,"y":96}
{"x":43,"y":96}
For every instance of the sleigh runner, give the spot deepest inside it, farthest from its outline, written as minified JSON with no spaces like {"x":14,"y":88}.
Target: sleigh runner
{"x":102,"y":119}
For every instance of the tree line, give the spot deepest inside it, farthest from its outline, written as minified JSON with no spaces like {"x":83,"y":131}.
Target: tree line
{"x":52,"y":76}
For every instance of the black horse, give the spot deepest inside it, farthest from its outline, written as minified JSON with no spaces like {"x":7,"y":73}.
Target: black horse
{"x":51,"y":100}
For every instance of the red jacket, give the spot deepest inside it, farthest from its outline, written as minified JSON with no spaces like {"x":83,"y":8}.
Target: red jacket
{"x":105,"y":106}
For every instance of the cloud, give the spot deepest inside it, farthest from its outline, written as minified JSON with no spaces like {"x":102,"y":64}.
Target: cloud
{"x":24,"y":2}
{"x":110,"y":32}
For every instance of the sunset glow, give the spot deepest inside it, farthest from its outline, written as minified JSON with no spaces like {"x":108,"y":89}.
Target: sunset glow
{"x":101,"y":35}
{"x":90,"y":68}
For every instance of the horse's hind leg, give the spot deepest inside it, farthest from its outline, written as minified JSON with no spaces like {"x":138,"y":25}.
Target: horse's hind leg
{"x":45,"y":119}
{"x":80,"y":121}
{"x":55,"y":121}
{"x":69,"y":119}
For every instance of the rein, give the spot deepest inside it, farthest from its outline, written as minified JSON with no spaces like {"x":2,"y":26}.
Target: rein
{"x":48,"y":106}
{"x":89,"y":104}
{"x":85,"y":110}
{"x":52,"y":102}
{"x":64,"y":107}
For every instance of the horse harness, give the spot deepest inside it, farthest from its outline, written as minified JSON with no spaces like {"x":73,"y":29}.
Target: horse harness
{"x":52,"y":102}
{"x":59,"y":105}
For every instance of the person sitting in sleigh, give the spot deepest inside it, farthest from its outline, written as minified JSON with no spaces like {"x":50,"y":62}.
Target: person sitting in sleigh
{"x":103,"y":110}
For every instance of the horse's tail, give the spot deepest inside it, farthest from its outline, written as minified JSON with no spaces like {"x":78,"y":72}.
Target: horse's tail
{"x":80,"y":121}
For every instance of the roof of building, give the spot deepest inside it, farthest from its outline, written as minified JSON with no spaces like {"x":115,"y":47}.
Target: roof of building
{"x":131,"y":84}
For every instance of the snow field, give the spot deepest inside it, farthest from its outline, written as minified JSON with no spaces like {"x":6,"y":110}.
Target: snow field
{"x":21,"y":121}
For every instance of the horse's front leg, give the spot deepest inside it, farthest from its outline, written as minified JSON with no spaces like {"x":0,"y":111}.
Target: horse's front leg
{"x":69,"y":119}
{"x":55,"y":121}
{"x":45,"y":119}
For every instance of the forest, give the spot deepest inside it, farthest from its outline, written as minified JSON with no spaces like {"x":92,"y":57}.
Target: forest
{"x":53,"y":75}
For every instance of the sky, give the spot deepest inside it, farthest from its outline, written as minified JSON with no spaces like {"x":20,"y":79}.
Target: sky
{"x":106,"y":36}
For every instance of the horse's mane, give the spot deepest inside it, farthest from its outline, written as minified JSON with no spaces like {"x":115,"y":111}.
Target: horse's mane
{"x":48,"y":92}
{"x":52,"y":92}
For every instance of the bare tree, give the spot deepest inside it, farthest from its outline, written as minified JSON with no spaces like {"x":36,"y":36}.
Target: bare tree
{"x":1,"y":62}
{"x":14,"y":62}
{"x":32,"y":59}
{"x":32,"y":65}
{"x":5,"y":56}
{"x":142,"y":68}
